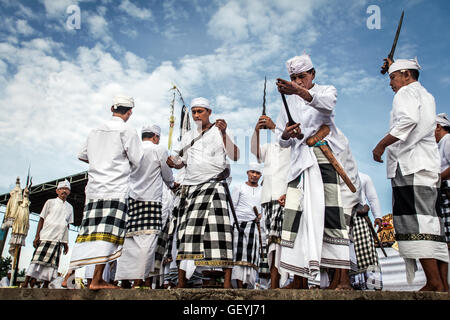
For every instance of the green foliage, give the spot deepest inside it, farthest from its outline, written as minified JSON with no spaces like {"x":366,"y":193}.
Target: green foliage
{"x":5,"y":265}
{"x":21,"y":273}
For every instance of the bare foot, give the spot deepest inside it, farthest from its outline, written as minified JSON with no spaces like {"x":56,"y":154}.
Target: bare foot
{"x":102,"y":285}
{"x":428,"y":287}
{"x":343,"y":287}
{"x":289,"y":286}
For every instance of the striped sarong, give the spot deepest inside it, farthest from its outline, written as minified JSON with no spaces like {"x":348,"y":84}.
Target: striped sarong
{"x":273,"y":212}
{"x":103,"y":219}
{"x":419,"y":228}
{"x":47,"y":254}
{"x":366,"y":254}
{"x":143,"y":217}
{"x":445,"y":209}
{"x":335,"y":237}
{"x":205,"y":232}
{"x":246,"y":243}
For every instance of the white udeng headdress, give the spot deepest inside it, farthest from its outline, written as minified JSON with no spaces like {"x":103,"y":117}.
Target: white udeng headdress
{"x":299,"y":64}
{"x":152,"y":129}
{"x":200,"y":102}
{"x":124,"y":101}
{"x":63,"y":184}
{"x":404,"y":64}
{"x":442,"y":119}
{"x":254,"y":166}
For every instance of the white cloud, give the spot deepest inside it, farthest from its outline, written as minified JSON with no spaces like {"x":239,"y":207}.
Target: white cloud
{"x":134,"y":11}
{"x":57,"y":8}
{"x":98,"y":26}
{"x":17,"y":27}
{"x":229,"y":24}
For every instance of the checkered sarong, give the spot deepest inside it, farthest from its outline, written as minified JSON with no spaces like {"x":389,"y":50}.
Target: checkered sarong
{"x":445,"y":210}
{"x":293,"y":210}
{"x":103,"y":220}
{"x":143,"y":217}
{"x":246,"y":245}
{"x":165,"y":238}
{"x":273,"y":212}
{"x":47,"y":254}
{"x":415,"y":211}
{"x":334,"y":214}
{"x":264,"y":268}
{"x":205,"y":232}
{"x":366,"y":254}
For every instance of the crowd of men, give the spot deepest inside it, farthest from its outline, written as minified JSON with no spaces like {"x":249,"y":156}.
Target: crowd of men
{"x":299,"y":221}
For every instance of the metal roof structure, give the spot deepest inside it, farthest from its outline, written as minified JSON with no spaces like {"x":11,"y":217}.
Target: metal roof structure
{"x":40,"y":193}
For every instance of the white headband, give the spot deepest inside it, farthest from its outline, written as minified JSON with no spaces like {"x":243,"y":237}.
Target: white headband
{"x":63,"y":184}
{"x":124,"y":101}
{"x":200,"y":102}
{"x":404,"y":64}
{"x":253,"y":166}
{"x":153,"y":129}
{"x":299,"y":64}
{"x":442,"y":119}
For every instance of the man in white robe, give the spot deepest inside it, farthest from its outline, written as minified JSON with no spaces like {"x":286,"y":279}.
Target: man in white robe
{"x":276,"y":166}
{"x":110,"y":150}
{"x":144,"y":217}
{"x":442,"y":135}
{"x":247,"y":249}
{"x":51,"y":236}
{"x":315,"y":232}
{"x":204,"y":233}
{"x":412,"y":162}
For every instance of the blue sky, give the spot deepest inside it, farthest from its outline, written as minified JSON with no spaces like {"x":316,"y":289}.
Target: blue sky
{"x":57,"y":83}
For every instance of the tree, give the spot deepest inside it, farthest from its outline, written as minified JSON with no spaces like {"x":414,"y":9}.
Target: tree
{"x":5,"y":266}
{"x":21,"y":273}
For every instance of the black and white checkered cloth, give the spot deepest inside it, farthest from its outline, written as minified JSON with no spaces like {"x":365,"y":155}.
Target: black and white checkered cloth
{"x":292,"y":214}
{"x":162,"y":246}
{"x":273,"y":212}
{"x":366,"y":254}
{"x":205,"y":232}
{"x":165,"y":238}
{"x":416,"y":210}
{"x":264,"y":268}
{"x":445,"y":210}
{"x":47,"y":254}
{"x":246,"y":245}
{"x":143,"y":217}
{"x":335,"y":231}
{"x":105,"y":220}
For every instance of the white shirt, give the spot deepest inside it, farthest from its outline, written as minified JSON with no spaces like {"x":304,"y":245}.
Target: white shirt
{"x":4,"y":282}
{"x":146,"y":180}
{"x":276,"y":166}
{"x":444,"y":151}
{"x":57,"y":215}
{"x":168,"y":198}
{"x":369,"y":195}
{"x":413,"y":121}
{"x":348,"y":163}
{"x":245,"y":198}
{"x":111,"y":149}
{"x":206,"y":158}
{"x":310,"y":115}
